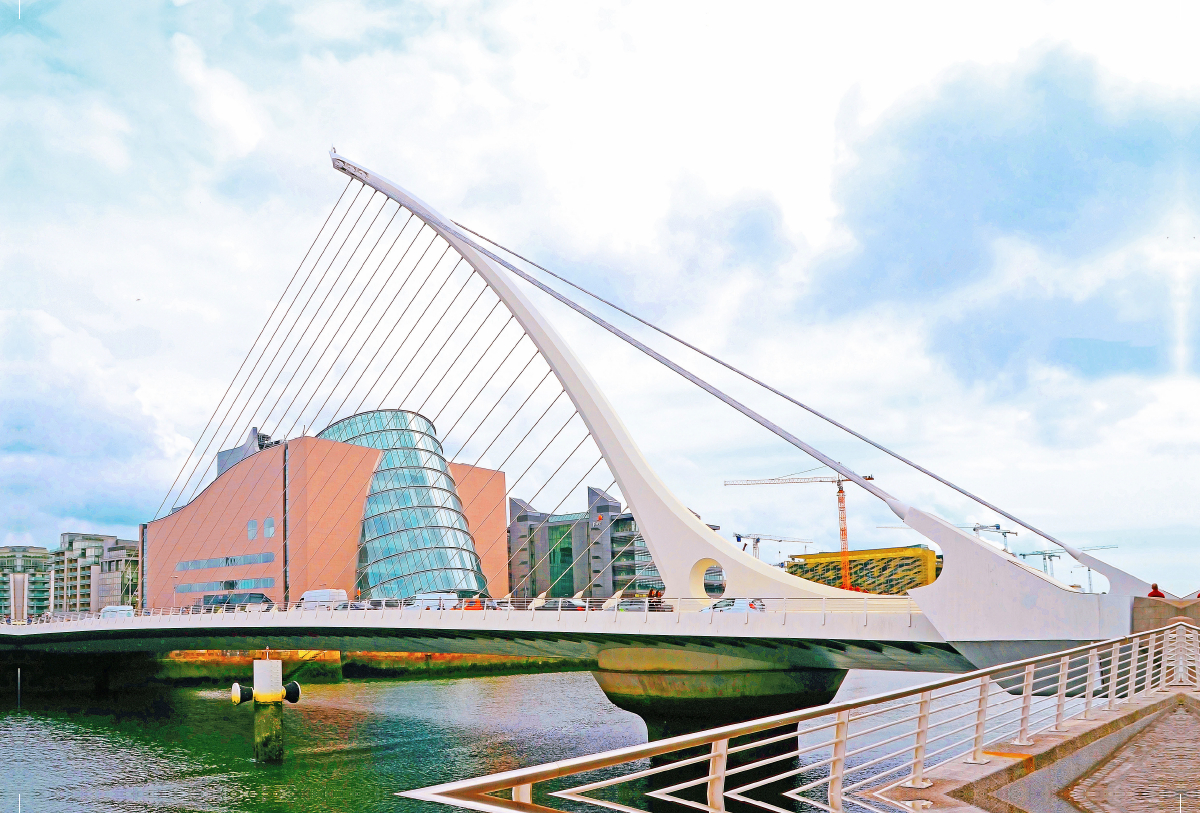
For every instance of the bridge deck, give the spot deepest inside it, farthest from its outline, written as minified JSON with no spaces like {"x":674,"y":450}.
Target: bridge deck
{"x":853,"y":634}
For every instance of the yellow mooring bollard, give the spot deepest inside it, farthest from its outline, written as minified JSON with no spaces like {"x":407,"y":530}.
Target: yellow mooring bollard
{"x":268,"y":695}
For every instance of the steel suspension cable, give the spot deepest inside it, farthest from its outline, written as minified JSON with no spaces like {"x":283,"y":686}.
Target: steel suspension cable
{"x":975,"y":498}
{"x":432,"y":329}
{"x":316,"y":313}
{"x":338,"y":329}
{"x":484,"y":387}
{"x":474,"y":366}
{"x":250,"y":350}
{"x":237,"y":421}
{"x":266,"y":393}
{"x":369,"y":333}
{"x":384,"y":312}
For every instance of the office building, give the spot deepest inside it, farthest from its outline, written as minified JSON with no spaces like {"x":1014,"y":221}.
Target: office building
{"x":25,"y":574}
{"x":369,"y":505}
{"x":93,"y":571}
{"x":596,"y":553}
{"x":887,"y":571}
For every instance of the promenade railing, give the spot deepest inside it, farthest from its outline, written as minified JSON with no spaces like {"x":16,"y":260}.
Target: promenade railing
{"x":839,"y":757}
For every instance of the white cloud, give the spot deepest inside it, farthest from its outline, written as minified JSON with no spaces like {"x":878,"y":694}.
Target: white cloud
{"x":221,"y":100}
{"x":348,"y":20}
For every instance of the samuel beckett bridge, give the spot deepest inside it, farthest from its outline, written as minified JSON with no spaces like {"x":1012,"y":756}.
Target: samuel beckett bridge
{"x":458,"y":427}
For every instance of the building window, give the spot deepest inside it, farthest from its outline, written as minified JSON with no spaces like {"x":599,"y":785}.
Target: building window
{"x":252,"y":529}
{"x":269,"y":527}
{"x":227,"y":561}
{"x":228,"y":584}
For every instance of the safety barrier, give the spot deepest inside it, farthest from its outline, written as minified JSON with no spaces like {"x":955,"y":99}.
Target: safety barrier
{"x":838,"y":757}
{"x":776,"y":607}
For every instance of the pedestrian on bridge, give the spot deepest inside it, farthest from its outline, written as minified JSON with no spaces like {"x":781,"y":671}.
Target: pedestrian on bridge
{"x":1155,"y":592}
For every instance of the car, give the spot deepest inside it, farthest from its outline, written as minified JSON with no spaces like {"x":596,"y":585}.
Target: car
{"x":564,"y":604}
{"x":117,"y":611}
{"x":352,"y":605}
{"x":476,"y":604}
{"x":641,"y":605}
{"x":737,"y":605}
{"x":382,"y":604}
{"x":431,"y":601}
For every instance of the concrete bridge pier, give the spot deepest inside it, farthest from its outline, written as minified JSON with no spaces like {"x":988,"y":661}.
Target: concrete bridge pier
{"x":679,"y":691}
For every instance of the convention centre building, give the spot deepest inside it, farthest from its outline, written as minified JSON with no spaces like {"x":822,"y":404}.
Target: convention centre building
{"x":369,"y":505}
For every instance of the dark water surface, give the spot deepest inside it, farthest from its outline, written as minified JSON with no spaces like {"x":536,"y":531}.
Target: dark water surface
{"x":350,"y":747}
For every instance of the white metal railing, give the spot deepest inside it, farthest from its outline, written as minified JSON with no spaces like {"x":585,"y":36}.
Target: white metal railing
{"x":839,"y":757}
{"x":865,"y":607}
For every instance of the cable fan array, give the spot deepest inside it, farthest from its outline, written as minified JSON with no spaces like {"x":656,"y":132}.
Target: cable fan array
{"x":383,"y":313}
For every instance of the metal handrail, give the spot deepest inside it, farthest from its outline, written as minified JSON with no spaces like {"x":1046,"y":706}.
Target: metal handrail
{"x":1011,"y":702}
{"x":865,"y":606}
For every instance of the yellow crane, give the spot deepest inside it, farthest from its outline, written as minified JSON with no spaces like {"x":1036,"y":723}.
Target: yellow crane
{"x":841,"y":497}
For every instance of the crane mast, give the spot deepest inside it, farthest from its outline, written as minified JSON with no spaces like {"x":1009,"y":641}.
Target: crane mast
{"x":841,"y":498}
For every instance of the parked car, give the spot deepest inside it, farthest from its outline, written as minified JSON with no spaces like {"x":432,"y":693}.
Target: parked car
{"x":737,"y":605}
{"x":564,"y":604}
{"x":641,"y":605}
{"x":432,"y":601}
{"x":383,"y":604}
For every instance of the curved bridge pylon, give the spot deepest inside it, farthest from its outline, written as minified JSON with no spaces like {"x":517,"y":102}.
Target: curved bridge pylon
{"x":682,"y":546}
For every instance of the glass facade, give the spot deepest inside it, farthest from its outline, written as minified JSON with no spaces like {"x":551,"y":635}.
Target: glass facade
{"x":414,"y":534}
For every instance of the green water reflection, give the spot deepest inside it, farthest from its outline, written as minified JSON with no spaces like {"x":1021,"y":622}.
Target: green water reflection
{"x":350,"y":746}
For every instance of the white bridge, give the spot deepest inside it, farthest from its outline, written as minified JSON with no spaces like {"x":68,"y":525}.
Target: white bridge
{"x":987,"y":606}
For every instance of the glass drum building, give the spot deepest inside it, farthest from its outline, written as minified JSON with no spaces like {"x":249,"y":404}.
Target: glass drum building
{"x":414,"y":533}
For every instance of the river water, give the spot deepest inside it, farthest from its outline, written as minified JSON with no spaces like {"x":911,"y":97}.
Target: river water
{"x":350,"y":746}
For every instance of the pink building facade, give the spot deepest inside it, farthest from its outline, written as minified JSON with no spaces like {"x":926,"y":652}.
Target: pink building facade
{"x":296,"y":515}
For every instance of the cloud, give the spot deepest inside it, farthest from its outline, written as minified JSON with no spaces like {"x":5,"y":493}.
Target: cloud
{"x":221,"y":99}
{"x":952,"y":236}
{"x":75,"y":442}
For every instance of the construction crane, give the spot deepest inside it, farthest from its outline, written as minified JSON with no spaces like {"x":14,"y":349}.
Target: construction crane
{"x":1048,"y":557}
{"x":1089,"y":570}
{"x":757,"y":538}
{"x":994,"y":529}
{"x":841,"y":496}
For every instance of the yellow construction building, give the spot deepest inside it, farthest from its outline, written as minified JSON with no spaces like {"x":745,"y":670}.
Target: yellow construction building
{"x":887,"y":571}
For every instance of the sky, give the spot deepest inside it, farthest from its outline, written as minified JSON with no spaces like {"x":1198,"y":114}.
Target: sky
{"x":970,"y":235}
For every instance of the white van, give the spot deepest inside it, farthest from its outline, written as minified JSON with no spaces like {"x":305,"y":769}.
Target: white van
{"x":322,"y":599}
{"x":117,"y":611}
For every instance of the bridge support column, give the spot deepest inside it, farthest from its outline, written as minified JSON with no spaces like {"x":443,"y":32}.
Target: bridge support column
{"x":677,"y":691}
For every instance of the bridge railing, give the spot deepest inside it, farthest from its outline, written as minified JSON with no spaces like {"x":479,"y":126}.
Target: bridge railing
{"x":865,"y":607}
{"x":840,"y":757}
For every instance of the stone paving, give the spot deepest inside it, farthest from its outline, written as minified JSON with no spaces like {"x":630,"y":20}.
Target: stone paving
{"x":1139,"y":757}
{"x":1148,"y":773}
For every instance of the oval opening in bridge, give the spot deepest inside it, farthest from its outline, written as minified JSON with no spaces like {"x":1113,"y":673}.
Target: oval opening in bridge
{"x":707,"y":579}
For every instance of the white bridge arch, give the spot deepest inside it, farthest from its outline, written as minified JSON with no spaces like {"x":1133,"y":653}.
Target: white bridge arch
{"x":676,"y":538}
{"x":986,"y":599}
